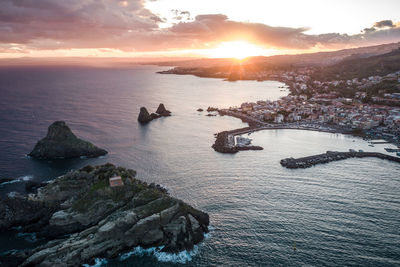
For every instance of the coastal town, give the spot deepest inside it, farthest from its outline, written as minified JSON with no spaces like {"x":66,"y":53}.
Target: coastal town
{"x":311,"y":104}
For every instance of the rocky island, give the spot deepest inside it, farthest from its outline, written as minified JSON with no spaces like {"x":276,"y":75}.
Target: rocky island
{"x":84,"y":215}
{"x":61,"y":143}
{"x":144,"y":116}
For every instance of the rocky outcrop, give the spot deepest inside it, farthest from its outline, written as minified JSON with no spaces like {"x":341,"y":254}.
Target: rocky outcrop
{"x":211,"y":109}
{"x":162,"y":111}
{"x":200,"y":110}
{"x":144,"y":116}
{"x":61,"y":143}
{"x":84,"y":218}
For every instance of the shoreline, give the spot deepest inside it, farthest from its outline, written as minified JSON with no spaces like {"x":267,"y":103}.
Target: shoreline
{"x":256,"y":125}
{"x":224,"y":142}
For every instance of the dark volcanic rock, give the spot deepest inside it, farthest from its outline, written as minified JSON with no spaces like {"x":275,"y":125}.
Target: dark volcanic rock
{"x":60,"y":142}
{"x":144,"y":116}
{"x":154,"y":116}
{"x":31,"y":186}
{"x":210,"y":109}
{"x":222,"y":144}
{"x":84,"y":218}
{"x":162,"y":111}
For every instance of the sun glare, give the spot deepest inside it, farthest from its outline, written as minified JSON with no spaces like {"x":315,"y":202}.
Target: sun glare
{"x":237,"y":49}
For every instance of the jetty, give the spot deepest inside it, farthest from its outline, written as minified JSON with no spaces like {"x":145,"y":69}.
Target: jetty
{"x":330,"y":156}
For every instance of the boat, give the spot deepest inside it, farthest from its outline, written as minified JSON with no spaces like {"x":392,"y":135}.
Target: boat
{"x":398,"y":154}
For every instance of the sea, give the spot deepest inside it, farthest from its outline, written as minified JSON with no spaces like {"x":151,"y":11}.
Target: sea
{"x":345,"y":213}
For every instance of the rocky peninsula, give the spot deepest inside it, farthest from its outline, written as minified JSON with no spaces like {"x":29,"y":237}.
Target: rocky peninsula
{"x":61,"y":143}
{"x":330,"y":156}
{"x":82,"y":217}
{"x":225,"y":142}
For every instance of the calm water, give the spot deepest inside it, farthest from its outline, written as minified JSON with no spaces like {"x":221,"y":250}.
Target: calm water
{"x":342,"y":213}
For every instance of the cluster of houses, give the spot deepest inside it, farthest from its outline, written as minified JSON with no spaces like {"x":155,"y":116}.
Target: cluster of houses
{"x":325,"y":109}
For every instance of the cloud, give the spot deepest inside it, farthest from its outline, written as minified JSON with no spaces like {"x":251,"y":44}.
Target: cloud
{"x":129,"y":26}
{"x":181,"y":15}
{"x":384,"y":23}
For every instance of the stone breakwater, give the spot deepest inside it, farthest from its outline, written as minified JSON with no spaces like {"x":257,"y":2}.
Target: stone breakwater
{"x":329,"y":156}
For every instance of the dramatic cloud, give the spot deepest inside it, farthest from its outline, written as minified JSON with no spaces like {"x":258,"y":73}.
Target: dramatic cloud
{"x":128,"y":26}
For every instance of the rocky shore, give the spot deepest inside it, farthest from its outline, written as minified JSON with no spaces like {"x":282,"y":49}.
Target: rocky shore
{"x":61,"y":143}
{"x":82,"y":217}
{"x":330,"y":156}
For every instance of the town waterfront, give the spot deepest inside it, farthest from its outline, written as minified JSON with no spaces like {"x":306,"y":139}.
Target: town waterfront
{"x":341,"y":213}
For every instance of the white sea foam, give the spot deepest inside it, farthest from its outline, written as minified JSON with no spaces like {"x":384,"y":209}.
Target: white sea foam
{"x":18,"y":180}
{"x":181,"y":257}
{"x":26,"y":178}
{"x":10,"y":182}
{"x":97,"y":263}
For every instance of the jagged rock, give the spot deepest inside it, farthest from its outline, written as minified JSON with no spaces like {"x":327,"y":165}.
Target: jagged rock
{"x":154,"y":116}
{"x":144,"y":116}
{"x":162,"y":111}
{"x":60,"y":142}
{"x":211,"y":109}
{"x":31,"y":186}
{"x":84,"y":218}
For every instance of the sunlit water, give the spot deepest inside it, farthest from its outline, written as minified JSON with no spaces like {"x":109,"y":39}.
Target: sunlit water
{"x":341,"y":213}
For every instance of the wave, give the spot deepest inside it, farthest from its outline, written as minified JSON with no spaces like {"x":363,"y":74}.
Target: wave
{"x":18,"y":180}
{"x":181,"y":257}
{"x":97,"y":262}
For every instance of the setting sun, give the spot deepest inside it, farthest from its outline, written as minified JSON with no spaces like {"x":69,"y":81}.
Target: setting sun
{"x":236,"y":49}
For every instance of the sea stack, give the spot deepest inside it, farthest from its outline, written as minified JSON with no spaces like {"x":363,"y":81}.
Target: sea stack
{"x":161,"y":110}
{"x":61,"y":143}
{"x":144,"y":116}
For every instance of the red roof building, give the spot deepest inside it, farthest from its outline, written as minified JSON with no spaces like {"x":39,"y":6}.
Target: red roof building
{"x":116,"y":181}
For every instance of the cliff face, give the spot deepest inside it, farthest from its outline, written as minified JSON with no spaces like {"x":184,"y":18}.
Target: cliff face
{"x":85,"y":218}
{"x":60,"y":142}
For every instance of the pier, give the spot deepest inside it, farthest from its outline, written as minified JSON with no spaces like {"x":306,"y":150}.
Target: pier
{"x":330,"y":156}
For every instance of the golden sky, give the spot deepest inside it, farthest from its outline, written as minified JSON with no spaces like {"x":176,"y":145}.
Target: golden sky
{"x":192,"y":28}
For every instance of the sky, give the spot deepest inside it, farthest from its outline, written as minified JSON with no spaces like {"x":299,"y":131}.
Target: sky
{"x":192,"y":28}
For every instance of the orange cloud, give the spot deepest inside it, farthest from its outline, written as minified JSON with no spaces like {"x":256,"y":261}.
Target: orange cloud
{"x":129,"y":26}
